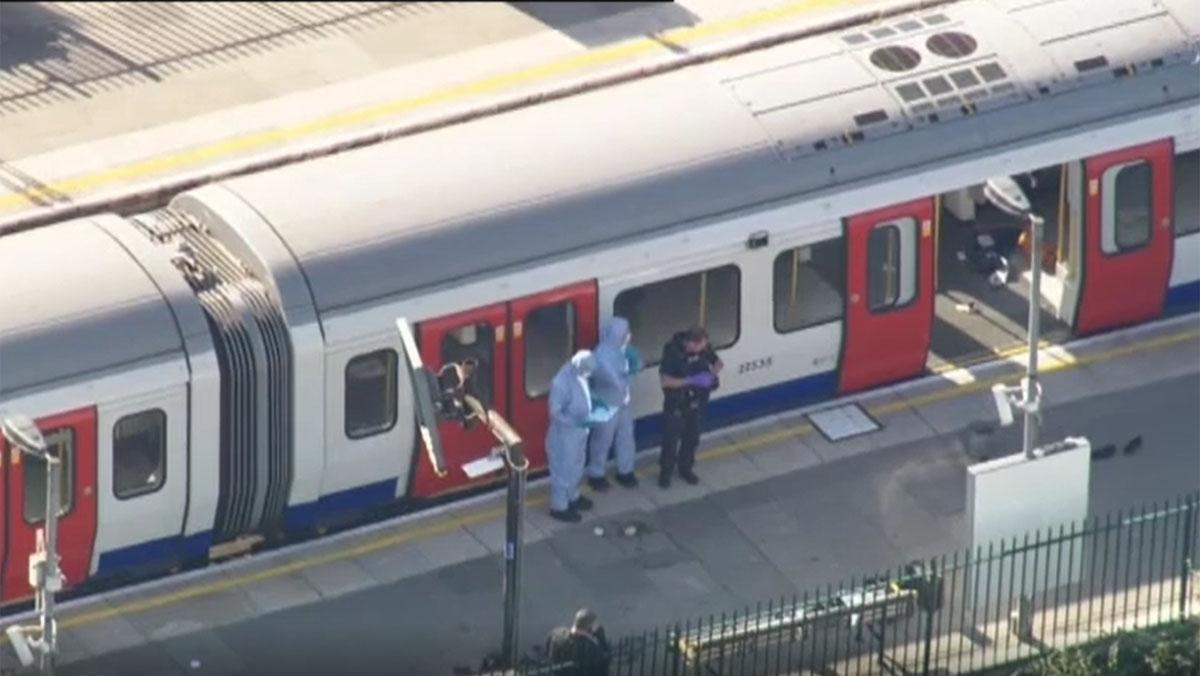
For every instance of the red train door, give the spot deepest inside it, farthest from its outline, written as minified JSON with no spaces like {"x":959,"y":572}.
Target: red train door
{"x":889,"y":295}
{"x":73,"y":435}
{"x":547,"y":329}
{"x":480,"y":334}
{"x":521,"y":345}
{"x":1128,"y":237}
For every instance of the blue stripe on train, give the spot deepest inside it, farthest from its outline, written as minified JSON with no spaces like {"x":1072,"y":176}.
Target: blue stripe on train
{"x":1183,"y":298}
{"x":746,"y":405}
{"x":159,"y":553}
{"x":300,"y":517}
{"x":164,"y":552}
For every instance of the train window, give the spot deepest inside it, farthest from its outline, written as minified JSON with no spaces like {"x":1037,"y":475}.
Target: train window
{"x":549,"y":342}
{"x":657,"y":311}
{"x":1187,"y":193}
{"x":139,"y":453}
{"x":808,"y":285}
{"x":891,"y":264}
{"x":62,"y":441}
{"x":477,"y":342}
{"x":1125,"y":215}
{"x":370,"y":394}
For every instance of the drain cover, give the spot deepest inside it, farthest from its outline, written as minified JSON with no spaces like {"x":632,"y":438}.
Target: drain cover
{"x":843,"y":422}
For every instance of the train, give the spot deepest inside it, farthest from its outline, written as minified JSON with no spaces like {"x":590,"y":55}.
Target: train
{"x":224,"y":373}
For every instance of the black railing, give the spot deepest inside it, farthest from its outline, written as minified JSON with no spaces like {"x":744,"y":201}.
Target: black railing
{"x":959,"y":613}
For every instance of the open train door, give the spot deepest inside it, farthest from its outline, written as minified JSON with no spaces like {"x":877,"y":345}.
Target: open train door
{"x":1128,"y":237}
{"x":72,"y":435}
{"x":889,"y":295}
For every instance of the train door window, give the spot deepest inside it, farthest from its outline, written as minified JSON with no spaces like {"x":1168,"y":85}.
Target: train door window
{"x":808,"y":285}
{"x":657,"y":311}
{"x":61,"y":442}
{"x":476,"y":342}
{"x":549,"y":343}
{"x":1187,"y":193}
{"x":1125,"y":210}
{"x":139,"y":453}
{"x":892,"y":265}
{"x":370,"y":394}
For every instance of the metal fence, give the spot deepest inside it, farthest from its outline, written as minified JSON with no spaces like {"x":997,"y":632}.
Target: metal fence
{"x":959,"y":613}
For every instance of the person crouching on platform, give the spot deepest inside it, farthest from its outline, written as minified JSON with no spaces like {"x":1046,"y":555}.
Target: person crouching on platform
{"x":688,"y":372}
{"x":616,"y":364}
{"x":567,"y":436}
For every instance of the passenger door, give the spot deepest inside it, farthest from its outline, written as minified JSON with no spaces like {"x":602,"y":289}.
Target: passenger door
{"x":1128,"y":237}
{"x":889,"y":295}
{"x":520,"y":345}
{"x":73,"y":435}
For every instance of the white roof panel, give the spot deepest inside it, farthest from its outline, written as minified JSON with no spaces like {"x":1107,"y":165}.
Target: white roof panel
{"x":74,"y":301}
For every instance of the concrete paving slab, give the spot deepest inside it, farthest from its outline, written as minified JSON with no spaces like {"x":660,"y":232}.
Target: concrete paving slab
{"x":337,"y":577}
{"x":204,"y":652}
{"x":450,"y":548}
{"x":784,"y":458}
{"x":730,"y":471}
{"x":281,"y":592}
{"x":202,"y":612}
{"x":113,"y":634}
{"x":396,"y":563}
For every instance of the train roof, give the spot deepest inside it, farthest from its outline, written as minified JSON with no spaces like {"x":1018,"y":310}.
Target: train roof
{"x":648,"y":156}
{"x":75,"y":301}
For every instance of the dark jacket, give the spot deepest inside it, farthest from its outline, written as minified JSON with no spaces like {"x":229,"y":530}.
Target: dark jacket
{"x":678,"y":363}
{"x":579,"y":654}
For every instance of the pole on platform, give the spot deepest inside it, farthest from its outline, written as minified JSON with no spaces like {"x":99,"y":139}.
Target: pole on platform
{"x":514,"y":540}
{"x":1033,"y":389}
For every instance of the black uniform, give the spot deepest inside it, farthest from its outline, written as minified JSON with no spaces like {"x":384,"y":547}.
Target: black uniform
{"x":683,"y":407}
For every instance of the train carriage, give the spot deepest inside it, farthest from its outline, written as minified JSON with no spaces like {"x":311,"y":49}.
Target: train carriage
{"x":796,"y":201}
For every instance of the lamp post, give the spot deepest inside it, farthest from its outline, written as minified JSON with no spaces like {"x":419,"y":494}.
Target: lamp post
{"x":44,"y":574}
{"x":1006,"y":195}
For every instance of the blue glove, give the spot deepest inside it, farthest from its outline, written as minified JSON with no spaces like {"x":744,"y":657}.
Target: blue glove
{"x":601,"y":414}
{"x":703,"y":380}
{"x":633,"y":359}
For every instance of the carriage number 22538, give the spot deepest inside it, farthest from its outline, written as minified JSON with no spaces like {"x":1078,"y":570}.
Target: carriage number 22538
{"x":754,"y":365}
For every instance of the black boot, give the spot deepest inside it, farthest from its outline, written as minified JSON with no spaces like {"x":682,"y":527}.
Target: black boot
{"x":581,"y":504}
{"x":598,"y":484}
{"x":628,"y":480}
{"x":567,"y":515}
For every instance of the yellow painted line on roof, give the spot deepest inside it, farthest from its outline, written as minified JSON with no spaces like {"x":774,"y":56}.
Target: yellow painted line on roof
{"x":226,"y":148}
{"x":1062,"y":362}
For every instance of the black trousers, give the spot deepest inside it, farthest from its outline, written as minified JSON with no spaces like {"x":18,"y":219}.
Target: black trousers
{"x":681,"y":436}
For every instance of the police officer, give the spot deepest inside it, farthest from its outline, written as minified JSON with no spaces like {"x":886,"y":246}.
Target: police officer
{"x":688,"y":372}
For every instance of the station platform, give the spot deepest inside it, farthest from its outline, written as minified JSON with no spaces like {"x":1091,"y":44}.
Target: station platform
{"x":781,"y":508}
{"x":100,"y":98}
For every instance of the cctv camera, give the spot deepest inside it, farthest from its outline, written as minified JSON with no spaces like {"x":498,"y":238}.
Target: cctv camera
{"x":1003,"y":407}
{"x":20,"y":644}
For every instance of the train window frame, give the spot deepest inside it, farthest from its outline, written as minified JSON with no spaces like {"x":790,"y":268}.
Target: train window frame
{"x":391,"y":386}
{"x":573,"y":329}
{"x":908,"y":243}
{"x":840,"y":243}
{"x":161,"y":472}
{"x":1188,"y":192}
{"x":652,"y":356}
{"x":1110,"y":246}
{"x":66,"y":483}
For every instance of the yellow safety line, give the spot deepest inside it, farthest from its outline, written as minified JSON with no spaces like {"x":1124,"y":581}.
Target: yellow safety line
{"x":448,"y":524}
{"x":339,"y":121}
